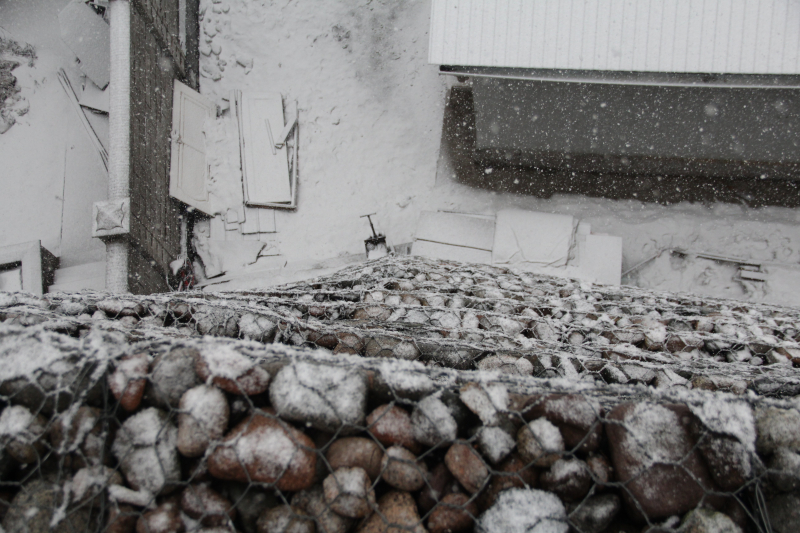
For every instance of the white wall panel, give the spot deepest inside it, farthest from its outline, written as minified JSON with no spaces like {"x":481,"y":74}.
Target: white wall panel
{"x":714,"y":36}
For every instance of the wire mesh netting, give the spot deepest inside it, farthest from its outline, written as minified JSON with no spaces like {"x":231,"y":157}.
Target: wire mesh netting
{"x":401,"y":395}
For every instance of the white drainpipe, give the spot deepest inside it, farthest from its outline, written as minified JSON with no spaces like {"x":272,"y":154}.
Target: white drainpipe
{"x":119,"y":137}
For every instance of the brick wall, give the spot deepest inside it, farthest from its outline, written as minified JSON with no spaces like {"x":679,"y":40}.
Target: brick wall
{"x":162,"y":17}
{"x":156,"y":61}
{"x":143,"y":276}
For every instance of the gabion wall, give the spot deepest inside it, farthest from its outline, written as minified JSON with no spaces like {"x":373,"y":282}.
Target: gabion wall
{"x":417,"y":396}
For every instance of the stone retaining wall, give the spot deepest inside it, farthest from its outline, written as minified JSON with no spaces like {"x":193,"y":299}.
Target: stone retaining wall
{"x":193,"y":412}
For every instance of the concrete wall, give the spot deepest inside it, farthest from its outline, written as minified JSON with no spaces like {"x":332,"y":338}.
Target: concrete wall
{"x":641,"y":129}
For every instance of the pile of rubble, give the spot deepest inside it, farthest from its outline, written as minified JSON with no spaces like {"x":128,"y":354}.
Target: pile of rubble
{"x":143,"y":414}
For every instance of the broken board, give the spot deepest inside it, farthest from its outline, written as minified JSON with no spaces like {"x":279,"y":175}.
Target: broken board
{"x":532,"y":237}
{"x":456,"y":229}
{"x":89,"y":37}
{"x":267,"y":180}
{"x":188,"y":172}
{"x":448,"y":252}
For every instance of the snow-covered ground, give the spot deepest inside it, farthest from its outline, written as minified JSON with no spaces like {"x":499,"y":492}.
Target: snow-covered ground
{"x":371,"y":111}
{"x":50,"y":173}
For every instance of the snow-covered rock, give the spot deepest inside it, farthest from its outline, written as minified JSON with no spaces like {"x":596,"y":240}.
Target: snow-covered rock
{"x":330,"y":399}
{"x":524,"y":511}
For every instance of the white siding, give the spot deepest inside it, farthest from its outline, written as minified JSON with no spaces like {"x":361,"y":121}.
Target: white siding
{"x":709,"y":36}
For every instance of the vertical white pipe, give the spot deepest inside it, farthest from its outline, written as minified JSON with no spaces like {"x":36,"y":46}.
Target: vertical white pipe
{"x":119,"y":136}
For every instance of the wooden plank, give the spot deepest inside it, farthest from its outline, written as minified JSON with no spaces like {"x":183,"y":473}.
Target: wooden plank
{"x":265,"y":167}
{"x":456,"y":229}
{"x":448,"y":252}
{"x":188,"y":173}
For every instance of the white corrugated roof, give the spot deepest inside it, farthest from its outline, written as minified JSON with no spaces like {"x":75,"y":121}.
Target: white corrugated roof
{"x":708,"y":36}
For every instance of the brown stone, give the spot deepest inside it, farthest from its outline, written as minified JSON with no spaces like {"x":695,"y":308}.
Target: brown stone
{"x":265,"y":450}
{"x":401,"y":470}
{"x":654,"y":455}
{"x":349,"y":492}
{"x":467,"y":466}
{"x":172,"y":374}
{"x":600,"y":468}
{"x":312,"y":502}
{"x":391,"y":425}
{"x":540,"y":443}
{"x":128,"y":380}
{"x":349,"y":343}
{"x":569,"y":479}
{"x":203,"y":418}
{"x":248,"y":380}
{"x":454,"y":514}
{"x":356,"y":451}
{"x":284,"y":519}
{"x":122,"y":519}
{"x":577,"y":417}
{"x":440,"y":483}
{"x":23,"y":434}
{"x":512,"y":473}
{"x":396,"y":514}
{"x":83,"y":437}
{"x":594,"y":514}
{"x":165,"y":518}
{"x":208,"y":506}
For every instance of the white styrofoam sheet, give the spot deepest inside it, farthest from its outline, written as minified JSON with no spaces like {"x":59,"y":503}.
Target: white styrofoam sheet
{"x":456,"y":229}
{"x":701,"y":36}
{"x":449,"y":252}
{"x":601,"y":259}
{"x":522,"y":236}
{"x":89,"y":37}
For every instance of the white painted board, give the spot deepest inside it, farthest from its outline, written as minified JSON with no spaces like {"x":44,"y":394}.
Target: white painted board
{"x":89,"y":37}
{"x":456,"y":229}
{"x":95,"y":98}
{"x":532,"y":237}
{"x":601,"y":259}
{"x":258,"y":220}
{"x":436,"y":250}
{"x":188,"y":173}
{"x":265,"y":168}
{"x":700,"y":36}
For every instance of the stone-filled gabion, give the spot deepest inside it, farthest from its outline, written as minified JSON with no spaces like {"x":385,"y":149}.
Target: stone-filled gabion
{"x":399,"y":396}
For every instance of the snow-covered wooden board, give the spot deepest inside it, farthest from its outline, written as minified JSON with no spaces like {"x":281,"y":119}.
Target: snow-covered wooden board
{"x":532,"y":237}
{"x":89,"y":37}
{"x":456,"y":229}
{"x":448,"y":252}
{"x":265,"y":168}
{"x":601,"y":258}
{"x":258,"y":220}
{"x":188,"y":173}
{"x":705,"y":36}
